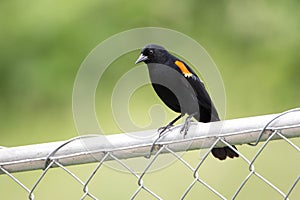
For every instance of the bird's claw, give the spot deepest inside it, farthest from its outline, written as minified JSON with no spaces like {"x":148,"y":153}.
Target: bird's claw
{"x":186,"y":126}
{"x":185,"y":129}
{"x":162,"y":129}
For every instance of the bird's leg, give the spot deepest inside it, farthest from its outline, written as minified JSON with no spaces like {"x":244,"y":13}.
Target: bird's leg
{"x":161,"y":131}
{"x":187,"y":124}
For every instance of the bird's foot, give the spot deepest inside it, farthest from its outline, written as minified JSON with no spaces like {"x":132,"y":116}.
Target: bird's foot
{"x":162,"y":129}
{"x":186,"y":125}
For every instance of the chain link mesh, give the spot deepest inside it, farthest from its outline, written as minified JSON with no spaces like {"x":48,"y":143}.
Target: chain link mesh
{"x":144,"y":190}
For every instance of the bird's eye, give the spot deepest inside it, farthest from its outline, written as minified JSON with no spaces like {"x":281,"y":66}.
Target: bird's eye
{"x":151,"y":51}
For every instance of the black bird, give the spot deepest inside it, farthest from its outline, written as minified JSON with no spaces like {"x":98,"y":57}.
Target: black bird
{"x":179,"y":87}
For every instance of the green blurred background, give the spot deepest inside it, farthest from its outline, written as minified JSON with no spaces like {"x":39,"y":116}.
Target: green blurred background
{"x":255,"y":45}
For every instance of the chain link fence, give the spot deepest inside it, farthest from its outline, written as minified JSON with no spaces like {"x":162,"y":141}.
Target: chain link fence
{"x":195,"y":175}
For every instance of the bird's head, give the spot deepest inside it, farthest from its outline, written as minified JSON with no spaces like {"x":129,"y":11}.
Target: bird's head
{"x":153,"y":53}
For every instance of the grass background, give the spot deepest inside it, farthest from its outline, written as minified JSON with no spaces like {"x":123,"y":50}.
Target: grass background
{"x":255,"y":45}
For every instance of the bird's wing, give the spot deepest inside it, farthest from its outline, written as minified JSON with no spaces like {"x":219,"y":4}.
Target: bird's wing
{"x":204,"y":100}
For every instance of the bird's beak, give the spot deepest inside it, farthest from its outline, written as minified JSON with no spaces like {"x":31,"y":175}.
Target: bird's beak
{"x":141,"y":58}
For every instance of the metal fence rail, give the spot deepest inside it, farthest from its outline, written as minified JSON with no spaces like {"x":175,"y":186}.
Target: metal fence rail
{"x":98,"y":148}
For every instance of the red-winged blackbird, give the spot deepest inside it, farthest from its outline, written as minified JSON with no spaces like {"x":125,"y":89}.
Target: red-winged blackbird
{"x":181,"y":90}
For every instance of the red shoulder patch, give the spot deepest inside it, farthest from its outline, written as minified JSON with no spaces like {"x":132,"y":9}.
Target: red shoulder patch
{"x":183,"y":68}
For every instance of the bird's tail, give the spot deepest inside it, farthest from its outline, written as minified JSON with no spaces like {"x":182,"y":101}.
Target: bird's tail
{"x":224,"y":152}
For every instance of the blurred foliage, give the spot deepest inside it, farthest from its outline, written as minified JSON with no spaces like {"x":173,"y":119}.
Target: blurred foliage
{"x":255,"y":45}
